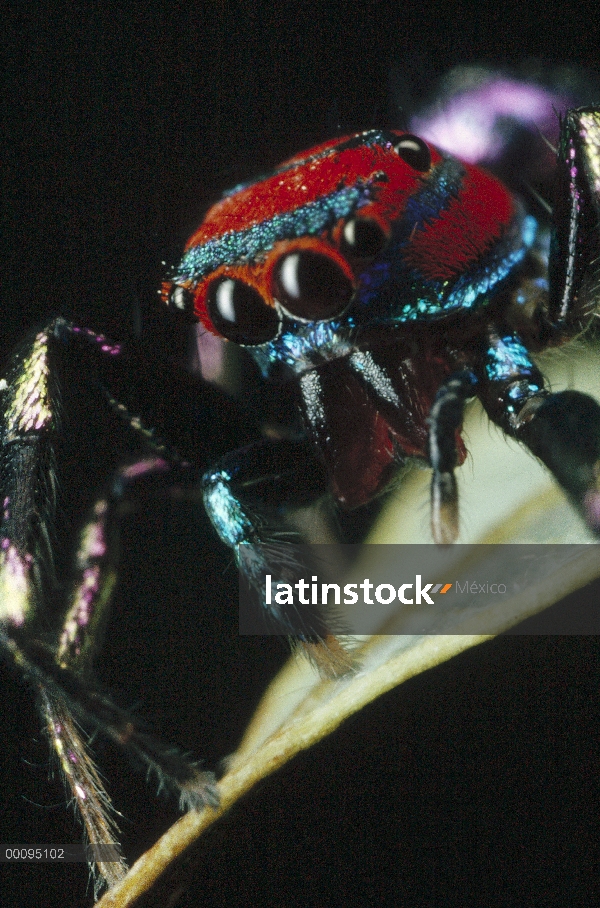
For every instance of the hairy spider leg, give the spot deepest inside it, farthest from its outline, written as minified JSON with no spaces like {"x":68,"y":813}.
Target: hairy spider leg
{"x":61,"y":672}
{"x":78,"y":768}
{"x":564,"y":432}
{"x":82,"y":629}
{"x":31,"y":406}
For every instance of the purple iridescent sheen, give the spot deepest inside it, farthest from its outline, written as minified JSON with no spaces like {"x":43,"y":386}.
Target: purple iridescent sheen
{"x":471,"y":125}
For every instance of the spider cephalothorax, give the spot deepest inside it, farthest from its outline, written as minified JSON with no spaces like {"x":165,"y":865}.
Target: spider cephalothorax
{"x":393,"y":282}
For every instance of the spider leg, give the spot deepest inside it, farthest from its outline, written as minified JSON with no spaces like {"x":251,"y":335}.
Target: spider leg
{"x":445,"y":420}
{"x":27,"y":572}
{"x":564,"y":432}
{"x":574,"y":267}
{"x":83,"y":628}
{"x":243,"y":495}
{"x":562,"y":429}
{"x":60,"y":669}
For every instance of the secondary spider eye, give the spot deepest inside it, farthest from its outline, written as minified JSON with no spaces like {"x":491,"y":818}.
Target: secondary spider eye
{"x":181,"y":300}
{"x":312,"y":286}
{"x":362,"y":238}
{"x":240,"y":314}
{"x":414,"y":151}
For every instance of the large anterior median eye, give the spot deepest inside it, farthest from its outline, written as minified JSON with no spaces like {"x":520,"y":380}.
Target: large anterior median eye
{"x":414,"y":151}
{"x":311,"y":286}
{"x":239,"y":312}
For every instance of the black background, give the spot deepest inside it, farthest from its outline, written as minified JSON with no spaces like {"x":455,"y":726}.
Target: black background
{"x":475,"y":784}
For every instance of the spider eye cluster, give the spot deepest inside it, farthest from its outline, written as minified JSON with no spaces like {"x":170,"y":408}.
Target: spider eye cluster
{"x":310,"y":285}
{"x":309,"y":278}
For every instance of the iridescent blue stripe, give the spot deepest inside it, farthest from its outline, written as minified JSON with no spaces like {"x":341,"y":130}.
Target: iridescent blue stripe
{"x":389,"y":281}
{"x":245,"y":245}
{"x":391,"y":291}
{"x":422,"y":208}
{"x":363,"y":139}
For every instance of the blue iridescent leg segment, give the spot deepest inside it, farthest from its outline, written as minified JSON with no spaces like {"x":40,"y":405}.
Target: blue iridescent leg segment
{"x":243,"y":496}
{"x":562,"y":429}
{"x":508,"y":379}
